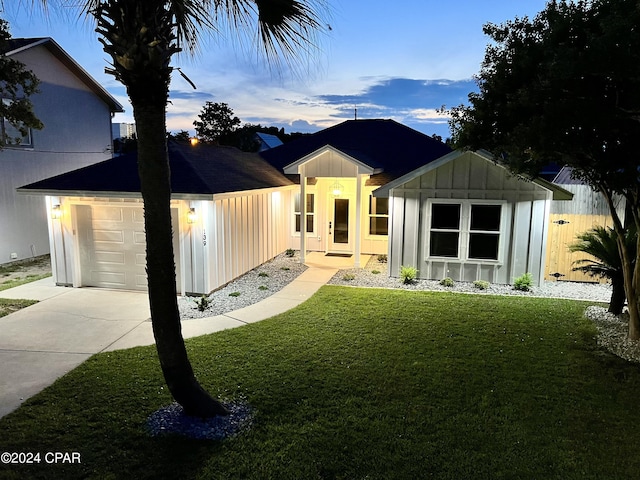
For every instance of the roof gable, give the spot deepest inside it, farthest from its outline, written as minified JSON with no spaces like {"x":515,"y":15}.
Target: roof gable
{"x":385,"y":146}
{"x":17,"y":45}
{"x":558,"y":192}
{"x":201,"y":171}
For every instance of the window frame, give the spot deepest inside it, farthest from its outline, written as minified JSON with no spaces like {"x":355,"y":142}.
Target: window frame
{"x":464,"y":230}
{"x":3,"y":134}
{"x":371,"y":215}
{"x":297,"y":213}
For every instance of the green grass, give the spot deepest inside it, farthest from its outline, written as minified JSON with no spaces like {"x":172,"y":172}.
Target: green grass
{"x":361,"y":383}
{"x":9,"y":305}
{"x":21,"y":281}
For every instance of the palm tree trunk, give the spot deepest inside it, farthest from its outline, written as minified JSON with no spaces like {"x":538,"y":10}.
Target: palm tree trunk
{"x":618,"y":296}
{"x":155,"y":180}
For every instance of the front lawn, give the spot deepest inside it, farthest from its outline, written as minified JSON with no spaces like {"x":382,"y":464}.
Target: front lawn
{"x":361,"y":383}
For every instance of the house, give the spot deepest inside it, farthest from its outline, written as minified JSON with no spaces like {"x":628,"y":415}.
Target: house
{"x":568,"y":219}
{"x":76,"y":112}
{"x":229,"y":214}
{"x":267,"y":141}
{"x":360,"y":187}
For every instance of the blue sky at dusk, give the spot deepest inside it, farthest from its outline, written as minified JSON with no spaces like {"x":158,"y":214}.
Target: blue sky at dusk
{"x":401,"y":60}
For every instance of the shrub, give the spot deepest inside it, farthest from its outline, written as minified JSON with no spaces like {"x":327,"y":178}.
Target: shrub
{"x":447,"y":282}
{"x":289,"y":252}
{"x":481,"y":284}
{"x":408,"y":274}
{"x":263,"y":274}
{"x":524,"y":282}
{"x":348,"y":277}
{"x":263,"y":287}
{"x":203,"y":303}
{"x":382,"y":258}
{"x":234,"y":294}
{"x":375,"y":272}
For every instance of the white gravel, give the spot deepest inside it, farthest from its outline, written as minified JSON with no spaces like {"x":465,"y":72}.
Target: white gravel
{"x":255,"y":285}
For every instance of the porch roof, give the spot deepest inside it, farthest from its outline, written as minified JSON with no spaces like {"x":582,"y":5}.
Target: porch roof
{"x":386,"y":147}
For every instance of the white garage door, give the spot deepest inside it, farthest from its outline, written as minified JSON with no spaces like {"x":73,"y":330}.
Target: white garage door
{"x":112,"y":246}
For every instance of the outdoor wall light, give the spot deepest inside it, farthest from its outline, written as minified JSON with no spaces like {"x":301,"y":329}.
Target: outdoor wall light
{"x":192,"y":216}
{"x":194,"y":141}
{"x":336,"y":188}
{"x":56,"y":212}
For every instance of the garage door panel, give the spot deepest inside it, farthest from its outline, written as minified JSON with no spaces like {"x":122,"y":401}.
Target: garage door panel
{"x":114,"y":258}
{"x":109,"y":236}
{"x":113,"y":246}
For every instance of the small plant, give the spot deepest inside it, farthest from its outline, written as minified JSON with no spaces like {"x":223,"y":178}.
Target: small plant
{"x":234,"y":294}
{"x":263,"y":287}
{"x":524,"y":282}
{"x":481,"y":284}
{"x":348,"y":277}
{"x":263,"y":274}
{"x":289,"y":252}
{"x":382,"y":258}
{"x":408,"y":274}
{"x":447,"y":282}
{"x":375,"y":272}
{"x":203,"y":303}
{"x":286,"y":269}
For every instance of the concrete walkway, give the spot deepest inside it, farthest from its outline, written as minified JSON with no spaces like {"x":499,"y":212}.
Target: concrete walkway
{"x":40,"y":343}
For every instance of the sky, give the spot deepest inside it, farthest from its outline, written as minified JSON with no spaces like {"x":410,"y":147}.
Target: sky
{"x":400,"y":60}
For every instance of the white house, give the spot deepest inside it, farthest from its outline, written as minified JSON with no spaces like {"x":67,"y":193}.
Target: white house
{"x":76,"y":112}
{"x":369,"y":187}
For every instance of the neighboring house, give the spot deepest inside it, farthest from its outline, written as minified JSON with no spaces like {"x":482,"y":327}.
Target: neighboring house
{"x":76,"y":112}
{"x":369,"y":187}
{"x":567,"y":219}
{"x":267,"y":141}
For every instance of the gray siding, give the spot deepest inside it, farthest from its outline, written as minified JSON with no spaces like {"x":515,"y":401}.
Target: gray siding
{"x":470,"y":177}
{"x":77,"y":133}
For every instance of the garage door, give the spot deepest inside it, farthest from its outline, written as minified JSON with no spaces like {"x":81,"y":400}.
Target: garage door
{"x":112,"y":246}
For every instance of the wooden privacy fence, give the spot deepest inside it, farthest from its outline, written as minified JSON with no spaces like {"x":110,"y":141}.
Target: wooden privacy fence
{"x":563,"y":229}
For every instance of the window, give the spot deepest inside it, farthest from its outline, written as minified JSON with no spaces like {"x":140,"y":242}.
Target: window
{"x":378,"y":216}
{"x":310,"y":211}
{"x":12,"y":135}
{"x":465,"y":230}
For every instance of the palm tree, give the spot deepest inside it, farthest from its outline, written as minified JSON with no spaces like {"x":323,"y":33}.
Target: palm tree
{"x":601,"y":243}
{"x":141,"y":37}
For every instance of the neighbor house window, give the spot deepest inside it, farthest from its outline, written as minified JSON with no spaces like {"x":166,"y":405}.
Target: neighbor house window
{"x":465,"y":230}
{"x":378,"y":216}
{"x":310,"y":211}
{"x":12,"y":135}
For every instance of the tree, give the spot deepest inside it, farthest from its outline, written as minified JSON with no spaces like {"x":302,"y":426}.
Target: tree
{"x":602,"y":244}
{"x":181,"y":137}
{"x":141,"y":37}
{"x":17,"y":84}
{"x":565,"y":87}
{"x":216,"y":123}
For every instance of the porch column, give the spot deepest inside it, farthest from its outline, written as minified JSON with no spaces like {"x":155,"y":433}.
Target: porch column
{"x":303,"y":214}
{"x":356,"y":263}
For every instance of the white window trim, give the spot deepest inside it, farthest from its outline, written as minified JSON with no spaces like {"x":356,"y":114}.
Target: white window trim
{"x":303,"y":225}
{"x":368,"y":217}
{"x":465,"y":230}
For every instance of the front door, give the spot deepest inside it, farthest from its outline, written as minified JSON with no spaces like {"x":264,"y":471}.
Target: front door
{"x":340,"y":226}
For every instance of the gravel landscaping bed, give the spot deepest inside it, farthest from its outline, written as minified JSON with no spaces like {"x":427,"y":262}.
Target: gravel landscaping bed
{"x":250,"y":288}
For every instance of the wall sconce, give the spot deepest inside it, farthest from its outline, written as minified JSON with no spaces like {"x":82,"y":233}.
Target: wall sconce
{"x":192,"y":216}
{"x":336,"y":188}
{"x":56,"y":212}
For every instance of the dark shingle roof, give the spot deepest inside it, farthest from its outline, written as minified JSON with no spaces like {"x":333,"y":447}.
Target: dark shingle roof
{"x":386,"y":145}
{"x":200,"y":170}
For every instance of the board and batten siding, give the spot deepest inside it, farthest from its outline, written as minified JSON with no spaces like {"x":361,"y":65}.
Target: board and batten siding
{"x":233,"y":235}
{"x":470,"y":177}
